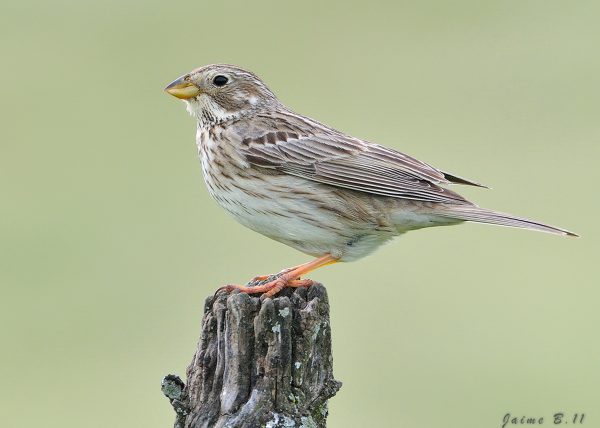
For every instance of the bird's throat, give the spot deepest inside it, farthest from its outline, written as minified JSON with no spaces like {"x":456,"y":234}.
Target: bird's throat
{"x":207,"y":112}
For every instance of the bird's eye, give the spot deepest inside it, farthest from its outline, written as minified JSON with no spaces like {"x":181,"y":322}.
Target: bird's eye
{"x":220,"y":80}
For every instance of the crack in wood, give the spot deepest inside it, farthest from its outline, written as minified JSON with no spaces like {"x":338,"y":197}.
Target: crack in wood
{"x":259,"y":363}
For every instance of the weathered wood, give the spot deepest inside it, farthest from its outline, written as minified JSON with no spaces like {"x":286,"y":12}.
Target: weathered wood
{"x":259,"y":363}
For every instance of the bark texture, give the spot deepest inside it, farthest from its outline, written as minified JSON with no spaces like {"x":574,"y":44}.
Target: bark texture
{"x":259,"y":363}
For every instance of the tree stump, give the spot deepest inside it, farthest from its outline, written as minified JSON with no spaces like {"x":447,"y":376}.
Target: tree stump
{"x":259,"y":363}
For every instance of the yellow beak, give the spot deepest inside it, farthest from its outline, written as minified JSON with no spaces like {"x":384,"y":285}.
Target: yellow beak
{"x":182,"y":89}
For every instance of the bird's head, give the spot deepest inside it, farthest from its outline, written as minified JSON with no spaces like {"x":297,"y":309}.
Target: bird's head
{"x":219,"y":92}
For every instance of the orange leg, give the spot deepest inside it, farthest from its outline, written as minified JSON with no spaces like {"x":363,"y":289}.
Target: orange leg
{"x":259,"y":278}
{"x":288,"y":279}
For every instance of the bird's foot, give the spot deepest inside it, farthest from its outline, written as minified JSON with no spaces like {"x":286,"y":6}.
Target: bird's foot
{"x":263,"y":279}
{"x":269,"y":288}
{"x":273,"y":284}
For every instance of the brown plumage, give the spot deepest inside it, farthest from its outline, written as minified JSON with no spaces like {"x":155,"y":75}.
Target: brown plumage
{"x":302,"y":183}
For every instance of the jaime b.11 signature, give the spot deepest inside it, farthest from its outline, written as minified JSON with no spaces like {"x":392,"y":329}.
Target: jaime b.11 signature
{"x":509,"y":420}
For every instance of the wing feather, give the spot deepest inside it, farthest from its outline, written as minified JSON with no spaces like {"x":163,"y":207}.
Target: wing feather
{"x":333,"y":158}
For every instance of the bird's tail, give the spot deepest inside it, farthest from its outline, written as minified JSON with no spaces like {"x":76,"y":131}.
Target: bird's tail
{"x":482,"y":215}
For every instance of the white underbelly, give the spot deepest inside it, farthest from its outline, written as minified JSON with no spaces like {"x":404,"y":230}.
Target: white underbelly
{"x":294,"y":221}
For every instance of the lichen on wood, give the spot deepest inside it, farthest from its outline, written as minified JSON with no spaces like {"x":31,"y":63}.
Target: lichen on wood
{"x":259,"y":363}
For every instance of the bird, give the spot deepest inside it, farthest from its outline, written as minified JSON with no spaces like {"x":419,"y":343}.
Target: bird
{"x":300,"y":182}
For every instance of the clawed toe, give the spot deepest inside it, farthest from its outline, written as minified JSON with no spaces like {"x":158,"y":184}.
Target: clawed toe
{"x":262,"y":279}
{"x":259,"y":278}
{"x":269,"y":289}
{"x":275,"y":287}
{"x":301,"y":283}
{"x":226,"y":288}
{"x":286,"y":278}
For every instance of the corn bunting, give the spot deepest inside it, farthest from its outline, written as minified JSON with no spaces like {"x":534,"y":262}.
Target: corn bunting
{"x":304,"y":184}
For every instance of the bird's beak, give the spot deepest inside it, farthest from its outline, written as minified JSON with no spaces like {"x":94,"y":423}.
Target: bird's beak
{"x":182,"y":89}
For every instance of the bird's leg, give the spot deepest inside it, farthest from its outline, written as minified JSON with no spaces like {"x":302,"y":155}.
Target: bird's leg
{"x":260,"y":278}
{"x":288,"y":279}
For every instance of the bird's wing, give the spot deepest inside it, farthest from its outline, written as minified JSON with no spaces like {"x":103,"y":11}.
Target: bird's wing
{"x":327,"y":156}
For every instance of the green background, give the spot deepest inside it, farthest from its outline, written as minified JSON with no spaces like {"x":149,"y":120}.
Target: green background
{"x":110,"y":242}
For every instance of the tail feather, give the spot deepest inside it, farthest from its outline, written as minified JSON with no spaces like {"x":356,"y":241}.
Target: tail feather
{"x":455,"y":179}
{"x":482,"y":215}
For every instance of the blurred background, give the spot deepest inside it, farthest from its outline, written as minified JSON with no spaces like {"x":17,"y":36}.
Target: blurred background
{"x":110,"y":242}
